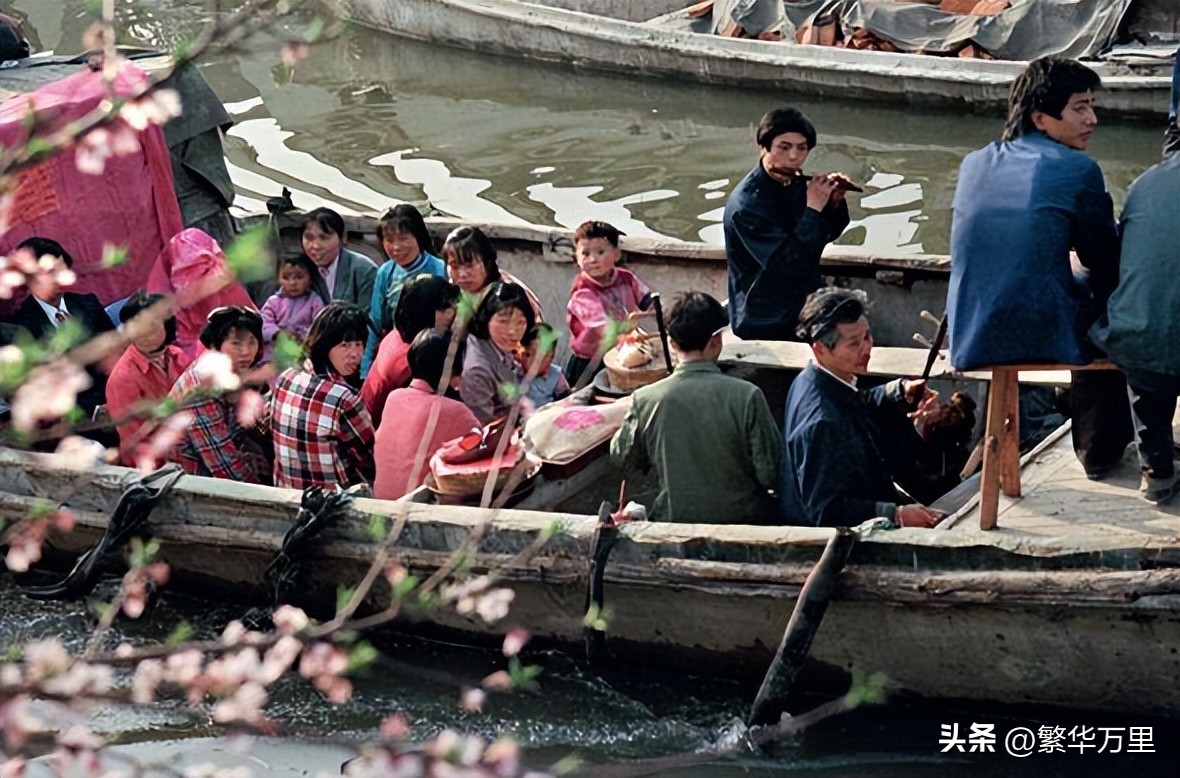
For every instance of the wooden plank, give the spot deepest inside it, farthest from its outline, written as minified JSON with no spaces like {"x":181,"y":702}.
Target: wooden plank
{"x":1010,"y":435}
{"x":990,"y":480}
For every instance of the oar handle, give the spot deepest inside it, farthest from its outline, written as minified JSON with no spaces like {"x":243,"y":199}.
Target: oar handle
{"x":659,"y":309}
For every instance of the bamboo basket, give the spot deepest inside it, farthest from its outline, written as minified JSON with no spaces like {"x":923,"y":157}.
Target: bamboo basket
{"x":628,"y":379}
{"x":467,"y":484}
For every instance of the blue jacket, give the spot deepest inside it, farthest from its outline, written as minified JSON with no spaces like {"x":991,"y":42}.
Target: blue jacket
{"x":387,"y":290}
{"x":842,"y":448}
{"x":1141,"y":330}
{"x":773,"y":244}
{"x":1019,"y":207}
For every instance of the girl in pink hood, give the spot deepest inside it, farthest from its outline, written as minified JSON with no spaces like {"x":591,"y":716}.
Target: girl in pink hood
{"x":193,"y":268}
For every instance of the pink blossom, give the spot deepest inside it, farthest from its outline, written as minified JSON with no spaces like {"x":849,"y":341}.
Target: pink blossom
{"x":294,"y":52}
{"x":148,"y":675}
{"x":322,"y":659}
{"x":503,"y":756}
{"x":183,"y":668}
{"x":79,"y":738}
{"x":11,"y":675}
{"x":226,"y":673}
{"x":44,"y":658}
{"x":24,"y":550}
{"x":78,"y":453}
{"x":289,"y":620}
{"x":135,"y":587}
{"x":395,"y":728}
{"x":493,"y":606}
{"x":245,"y":705}
{"x":339,"y":690}
{"x":233,"y":633}
{"x":280,"y":657}
{"x":164,"y":441}
{"x":215,"y":371}
{"x":251,"y":406}
{"x":48,"y":394}
{"x":63,"y":520}
{"x":498,"y":681}
{"x":13,"y":768}
{"x":156,"y":108}
{"x":514,"y":641}
{"x":80,"y":680}
{"x":473,"y":700}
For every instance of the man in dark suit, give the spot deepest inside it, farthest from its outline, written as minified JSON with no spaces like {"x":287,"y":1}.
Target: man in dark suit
{"x":49,"y":306}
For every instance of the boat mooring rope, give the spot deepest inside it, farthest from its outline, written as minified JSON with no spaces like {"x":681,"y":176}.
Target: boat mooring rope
{"x":130,"y":518}
{"x":318,"y":508}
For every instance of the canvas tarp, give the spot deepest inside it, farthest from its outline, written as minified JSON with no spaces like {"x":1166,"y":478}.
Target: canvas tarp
{"x":1027,"y":30}
{"x":131,"y":204}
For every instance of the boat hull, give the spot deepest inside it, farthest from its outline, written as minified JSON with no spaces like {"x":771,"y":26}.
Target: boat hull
{"x":963,"y":614}
{"x":517,"y":29}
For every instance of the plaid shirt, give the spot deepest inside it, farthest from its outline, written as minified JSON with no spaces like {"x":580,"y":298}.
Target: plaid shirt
{"x":214,"y":444}
{"x":323,"y":434}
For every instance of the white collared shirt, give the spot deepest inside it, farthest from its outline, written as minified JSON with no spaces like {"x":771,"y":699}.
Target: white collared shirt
{"x":51,"y":312}
{"x":850,"y":384}
{"x":329,"y":275}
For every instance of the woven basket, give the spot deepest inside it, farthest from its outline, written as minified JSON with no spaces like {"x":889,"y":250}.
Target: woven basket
{"x":467,"y":484}
{"x":628,"y":379}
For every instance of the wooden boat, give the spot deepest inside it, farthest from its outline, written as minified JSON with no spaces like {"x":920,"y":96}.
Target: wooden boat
{"x":1074,"y":600}
{"x":655,"y":38}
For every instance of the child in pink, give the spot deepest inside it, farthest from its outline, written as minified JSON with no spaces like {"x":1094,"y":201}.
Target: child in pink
{"x":601,"y":294}
{"x":294,"y":306}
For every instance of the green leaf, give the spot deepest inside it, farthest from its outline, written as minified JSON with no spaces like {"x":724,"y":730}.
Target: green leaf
{"x":142,"y":553}
{"x":595,"y":618}
{"x":567,"y":764}
{"x":362,"y":655}
{"x":113,"y":256}
{"x":180,"y":634}
{"x":378,"y":528}
{"x":249,"y":255}
{"x":522,"y":675}
{"x":344,"y":596}
{"x":549,"y":531}
{"x":314,"y":30}
{"x":288,"y":352}
{"x":405,"y":586}
{"x":36,"y":148}
{"x":13,"y":653}
{"x":867,"y":689}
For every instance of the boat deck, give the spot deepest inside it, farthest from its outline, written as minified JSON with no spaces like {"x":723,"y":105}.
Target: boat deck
{"x":1059,"y":501}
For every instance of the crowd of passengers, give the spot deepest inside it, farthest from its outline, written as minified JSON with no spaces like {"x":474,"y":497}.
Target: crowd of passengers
{"x":376,"y":369}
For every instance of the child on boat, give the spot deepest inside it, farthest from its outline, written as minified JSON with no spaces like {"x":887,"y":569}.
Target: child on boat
{"x":294,"y":306}
{"x":540,"y":347}
{"x":602,"y":297}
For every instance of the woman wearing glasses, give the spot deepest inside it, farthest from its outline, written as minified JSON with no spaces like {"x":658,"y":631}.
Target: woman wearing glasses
{"x":471,"y":266}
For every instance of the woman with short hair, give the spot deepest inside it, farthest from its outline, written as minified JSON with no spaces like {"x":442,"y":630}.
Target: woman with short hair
{"x":323,"y":436}
{"x":427,"y":302}
{"x":348,"y":275}
{"x":472,"y":266}
{"x":492,"y":374}
{"x":144,"y":374}
{"x":216,"y":443}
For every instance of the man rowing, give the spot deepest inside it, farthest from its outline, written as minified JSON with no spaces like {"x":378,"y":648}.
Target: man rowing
{"x":777,"y":222}
{"x":843,"y":446}
{"x":1021,"y":204}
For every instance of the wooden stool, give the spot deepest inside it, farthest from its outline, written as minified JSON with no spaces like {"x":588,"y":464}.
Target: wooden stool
{"x":1001,"y":436}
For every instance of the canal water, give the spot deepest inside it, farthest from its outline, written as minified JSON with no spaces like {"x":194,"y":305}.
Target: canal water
{"x":367,"y":121}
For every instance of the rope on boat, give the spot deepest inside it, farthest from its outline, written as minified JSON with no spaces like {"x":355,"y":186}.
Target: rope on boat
{"x":130,"y":518}
{"x":317,"y":509}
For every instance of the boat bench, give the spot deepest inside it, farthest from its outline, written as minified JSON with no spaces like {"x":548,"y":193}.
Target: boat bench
{"x":1001,"y":435}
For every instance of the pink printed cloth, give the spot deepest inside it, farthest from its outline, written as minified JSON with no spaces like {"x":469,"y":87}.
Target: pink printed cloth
{"x":593,"y":304}
{"x":132,"y":204}
{"x":192,"y":266}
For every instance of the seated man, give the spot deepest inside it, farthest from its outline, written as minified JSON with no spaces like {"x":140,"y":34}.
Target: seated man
{"x":843,"y":447}
{"x":49,"y":306}
{"x":710,"y":438}
{"x":1138,"y":332}
{"x":1021,"y":204}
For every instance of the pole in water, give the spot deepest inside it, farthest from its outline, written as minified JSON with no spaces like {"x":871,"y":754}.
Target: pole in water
{"x":806,"y":617}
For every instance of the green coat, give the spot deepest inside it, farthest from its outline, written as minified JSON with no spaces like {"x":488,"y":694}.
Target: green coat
{"x":712,"y":442}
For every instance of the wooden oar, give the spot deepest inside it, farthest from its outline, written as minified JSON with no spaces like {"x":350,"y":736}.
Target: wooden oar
{"x":659,"y":308}
{"x":806,"y":617}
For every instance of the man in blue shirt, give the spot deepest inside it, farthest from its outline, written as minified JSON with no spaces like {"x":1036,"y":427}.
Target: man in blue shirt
{"x":1021,"y":205}
{"x":777,"y":222}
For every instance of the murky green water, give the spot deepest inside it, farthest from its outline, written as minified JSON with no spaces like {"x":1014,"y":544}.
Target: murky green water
{"x":369,"y":120}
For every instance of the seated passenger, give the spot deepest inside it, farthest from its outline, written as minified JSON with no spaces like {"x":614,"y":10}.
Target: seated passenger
{"x":602,"y":296}
{"x":322,"y":433}
{"x":144,"y":374}
{"x":471,"y":266}
{"x":49,"y":306}
{"x":709,"y":437}
{"x":548,"y":383}
{"x":492,"y":376}
{"x":841,"y":450}
{"x":420,"y":418}
{"x":426,"y":302}
{"x":348,"y":276}
{"x":216,"y":443}
{"x":406,"y":242}
{"x":292,"y":309}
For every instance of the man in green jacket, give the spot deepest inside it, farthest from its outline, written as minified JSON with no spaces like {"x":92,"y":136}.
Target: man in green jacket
{"x":709,"y":437}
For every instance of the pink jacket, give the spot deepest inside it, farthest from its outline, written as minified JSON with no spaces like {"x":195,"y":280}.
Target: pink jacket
{"x":592,"y":305}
